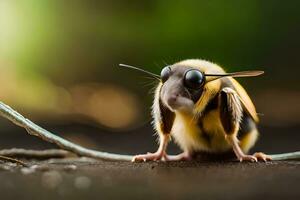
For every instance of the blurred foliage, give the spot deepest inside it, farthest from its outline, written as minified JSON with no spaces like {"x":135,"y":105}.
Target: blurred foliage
{"x":51,"y":47}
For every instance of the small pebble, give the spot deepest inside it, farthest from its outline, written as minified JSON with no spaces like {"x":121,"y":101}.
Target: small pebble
{"x":70,"y":167}
{"x":43,"y":168}
{"x":27,"y":170}
{"x":10,"y":164}
{"x":6,"y":168}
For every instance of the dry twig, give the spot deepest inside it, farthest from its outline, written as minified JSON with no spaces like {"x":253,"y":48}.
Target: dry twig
{"x":38,"y":131}
{"x":37,"y":154}
{"x":12,"y":160}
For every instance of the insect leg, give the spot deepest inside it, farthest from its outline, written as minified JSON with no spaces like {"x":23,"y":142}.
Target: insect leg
{"x":163,"y":122}
{"x":231,"y":113}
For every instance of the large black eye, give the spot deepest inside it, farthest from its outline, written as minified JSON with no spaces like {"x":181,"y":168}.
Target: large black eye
{"x":194,"y":79}
{"x":165,"y":73}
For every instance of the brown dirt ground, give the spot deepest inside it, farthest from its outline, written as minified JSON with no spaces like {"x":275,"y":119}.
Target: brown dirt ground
{"x":202,"y":179}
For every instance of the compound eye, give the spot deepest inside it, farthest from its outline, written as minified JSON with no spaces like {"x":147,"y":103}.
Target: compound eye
{"x":194,"y":79}
{"x":165,"y":73}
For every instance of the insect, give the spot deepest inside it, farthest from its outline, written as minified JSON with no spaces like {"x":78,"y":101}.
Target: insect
{"x":204,"y":109}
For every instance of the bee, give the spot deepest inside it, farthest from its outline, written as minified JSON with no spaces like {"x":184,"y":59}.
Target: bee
{"x":204,"y":109}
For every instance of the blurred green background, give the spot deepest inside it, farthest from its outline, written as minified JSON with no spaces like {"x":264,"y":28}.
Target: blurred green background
{"x":59,"y":67}
{"x":59,"y":59}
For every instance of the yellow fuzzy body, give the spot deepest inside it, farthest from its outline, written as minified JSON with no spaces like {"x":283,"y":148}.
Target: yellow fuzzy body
{"x":211,"y":137}
{"x":188,"y":135}
{"x":249,"y":140}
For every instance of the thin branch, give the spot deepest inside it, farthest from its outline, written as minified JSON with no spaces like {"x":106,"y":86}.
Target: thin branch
{"x":12,"y":160}
{"x":84,"y":160}
{"x":37,"y":154}
{"x":33,"y":129}
{"x":286,"y":156}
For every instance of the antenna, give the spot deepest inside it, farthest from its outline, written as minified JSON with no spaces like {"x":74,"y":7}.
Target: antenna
{"x":141,"y":70}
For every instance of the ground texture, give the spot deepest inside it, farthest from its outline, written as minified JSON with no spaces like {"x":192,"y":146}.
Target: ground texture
{"x":201,"y":179}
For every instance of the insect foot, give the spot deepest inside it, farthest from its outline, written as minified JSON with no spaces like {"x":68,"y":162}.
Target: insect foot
{"x":248,"y":158}
{"x":157,"y":156}
{"x":261,"y":156}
